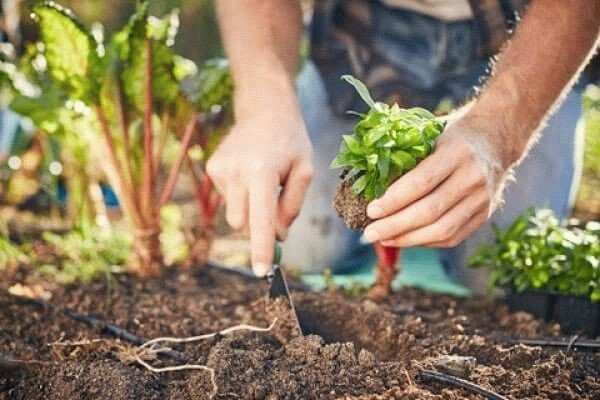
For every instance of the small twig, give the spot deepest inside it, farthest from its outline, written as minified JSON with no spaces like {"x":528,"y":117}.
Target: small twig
{"x":410,"y":382}
{"x":460,"y":383}
{"x":572,"y":341}
{"x":84,"y":342}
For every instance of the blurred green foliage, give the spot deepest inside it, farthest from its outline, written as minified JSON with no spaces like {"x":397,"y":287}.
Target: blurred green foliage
{"x":588,"y":198}
{"x":198,"y":35}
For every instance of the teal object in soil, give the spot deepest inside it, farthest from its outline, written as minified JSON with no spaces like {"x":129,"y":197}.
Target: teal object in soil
{"x":419,"y":268}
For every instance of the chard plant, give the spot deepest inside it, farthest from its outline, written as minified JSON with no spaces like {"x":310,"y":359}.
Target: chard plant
{"x":129,"y":89}
{"x":61,"y":125}
{"x":386,"y":142}
{"x":538,"y":252}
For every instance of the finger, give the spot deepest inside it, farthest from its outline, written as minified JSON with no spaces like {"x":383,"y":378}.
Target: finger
{"x":236,"y":205}
{"x":464,"y":232}
{"x":262,"y":207}
{"x":215,"y":172}
{"x":290,"y":201}
{"x":426,"y":210}
{"x":414,"y":185}
{"x":447,"y":226}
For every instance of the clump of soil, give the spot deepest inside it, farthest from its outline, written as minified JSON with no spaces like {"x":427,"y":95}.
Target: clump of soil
{"x":351,"y":208}
{"x":353,"y":348}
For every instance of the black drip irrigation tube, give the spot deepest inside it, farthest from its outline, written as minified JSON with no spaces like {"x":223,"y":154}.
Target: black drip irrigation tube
{"x":113,"y":330}
{"x":92,"y":322}
{"x":574,"y":342}
{"x":430,"y":375}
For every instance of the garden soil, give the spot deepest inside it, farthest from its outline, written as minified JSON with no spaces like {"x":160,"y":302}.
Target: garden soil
{"x":354,"y":348}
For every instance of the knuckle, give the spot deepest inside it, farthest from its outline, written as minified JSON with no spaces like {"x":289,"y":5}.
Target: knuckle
{"x":434,"y":210}
{"x":306,"y":173}
{"x":446,"y":232}
{"x":479,"y":178}
{"x":258,"y":167}
{"x":289,"y":214}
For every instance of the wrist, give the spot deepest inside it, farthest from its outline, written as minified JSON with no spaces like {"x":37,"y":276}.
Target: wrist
{"x":506,"y":133}
{"x":262,"y":87}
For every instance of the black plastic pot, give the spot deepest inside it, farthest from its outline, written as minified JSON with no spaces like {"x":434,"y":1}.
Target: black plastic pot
{"x":539,"y":304}
{"x":577,"y":314}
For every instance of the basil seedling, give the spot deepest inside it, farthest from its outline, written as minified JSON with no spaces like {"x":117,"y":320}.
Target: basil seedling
{"x":386,"y":143}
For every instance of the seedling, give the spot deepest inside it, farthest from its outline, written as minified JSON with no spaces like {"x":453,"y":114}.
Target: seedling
{"x":386,"y":143}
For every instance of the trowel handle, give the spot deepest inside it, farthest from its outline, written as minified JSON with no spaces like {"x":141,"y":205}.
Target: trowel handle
{"x":277,"y":254}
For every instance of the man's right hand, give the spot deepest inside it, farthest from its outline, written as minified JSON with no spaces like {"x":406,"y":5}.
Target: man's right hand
{"x":263,"y":168}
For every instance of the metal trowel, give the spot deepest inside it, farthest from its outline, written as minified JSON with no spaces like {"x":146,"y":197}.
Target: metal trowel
{"x":278,"y":286}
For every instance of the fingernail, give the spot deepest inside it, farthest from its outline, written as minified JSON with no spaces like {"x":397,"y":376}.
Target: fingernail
{"x":374,"y":211}
{"x":371,"y":235}
{"x":261,"y":269}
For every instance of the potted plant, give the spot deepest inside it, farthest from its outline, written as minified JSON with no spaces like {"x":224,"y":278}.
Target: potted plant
{"x":550,"y":268}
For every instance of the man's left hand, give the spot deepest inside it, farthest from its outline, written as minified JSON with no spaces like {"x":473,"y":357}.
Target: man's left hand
{"x":445,"y":198}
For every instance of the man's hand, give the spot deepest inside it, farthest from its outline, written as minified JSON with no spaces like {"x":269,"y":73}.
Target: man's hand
{"x":445,"y":198}
{"x":263,"y":168}
{"x":452,"y":192}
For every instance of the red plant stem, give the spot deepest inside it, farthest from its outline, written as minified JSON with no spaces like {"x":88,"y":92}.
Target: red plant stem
{"x":186,"y":141}
{"x":124,"y":123}
{"x":208,"y":199}
{"x":123,"y":118}
{"x":162,"y":139}
{"x":148,"y":178}
{"x":387,"y":257}
{"x":127,"y":195}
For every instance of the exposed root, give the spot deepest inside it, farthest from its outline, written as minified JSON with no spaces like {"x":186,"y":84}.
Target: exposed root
{"x":149,"y":351}
{"x":183,"y":367}
{"x":241,"y":327}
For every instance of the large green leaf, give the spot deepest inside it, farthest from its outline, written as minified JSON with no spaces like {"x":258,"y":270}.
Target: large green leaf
{"x":70,"y":50}
{"x":361,"y":88}
{"x":146,"y":58}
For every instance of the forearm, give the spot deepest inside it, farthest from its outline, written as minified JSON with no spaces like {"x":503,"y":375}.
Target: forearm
{"x":262,"y":40}
{"x":550,"y":48}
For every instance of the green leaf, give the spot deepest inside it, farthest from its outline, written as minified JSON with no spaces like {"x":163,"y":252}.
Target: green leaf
{"x":361,"y":88}
{"x":374,"y":135}
{"x":144,"y":57}
{"x":403,"y":160}
{"x":359,"y":185}
{"x":387,"y":142}
{"x":70,"y":50}
{"x":353,"y":144}
{"x":340,"y":161}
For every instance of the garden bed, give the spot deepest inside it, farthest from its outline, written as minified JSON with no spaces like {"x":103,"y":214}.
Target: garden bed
{"x":361,"y":350}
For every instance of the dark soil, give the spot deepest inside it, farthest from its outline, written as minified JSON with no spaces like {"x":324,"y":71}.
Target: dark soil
{"x":357,"y":349}
{"x":352,"y":208}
